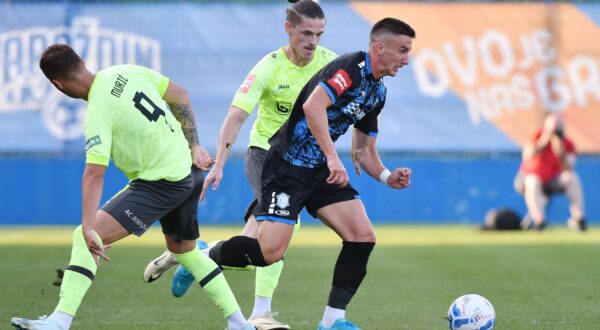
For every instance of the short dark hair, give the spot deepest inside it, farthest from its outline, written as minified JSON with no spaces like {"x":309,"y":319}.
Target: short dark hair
{"x":60,"y":61}
{"x":304,"y":8}
{"x":391,"y":25}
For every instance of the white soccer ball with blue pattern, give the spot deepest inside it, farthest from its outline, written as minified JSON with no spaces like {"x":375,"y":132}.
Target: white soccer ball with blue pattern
{"x":471,"y":312}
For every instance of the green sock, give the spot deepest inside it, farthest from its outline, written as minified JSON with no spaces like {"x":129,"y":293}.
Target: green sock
{"x":78,"y":275}
{"x":267,"y":279}
{"x":211,"y":280}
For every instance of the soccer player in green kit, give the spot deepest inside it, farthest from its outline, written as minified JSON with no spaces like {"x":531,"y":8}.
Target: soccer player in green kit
{"x":128,"y":120}
{"x":274,"y":84}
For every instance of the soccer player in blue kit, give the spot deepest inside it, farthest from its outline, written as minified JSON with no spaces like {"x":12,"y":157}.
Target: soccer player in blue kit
{"x":302,"y":168}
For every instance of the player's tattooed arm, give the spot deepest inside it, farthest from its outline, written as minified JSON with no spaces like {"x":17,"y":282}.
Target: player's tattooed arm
{"x":178,"y":100}
{"x":185,"y":116}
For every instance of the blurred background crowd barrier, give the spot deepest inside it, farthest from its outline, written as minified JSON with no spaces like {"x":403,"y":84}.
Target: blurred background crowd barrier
{"x":481,"y":79}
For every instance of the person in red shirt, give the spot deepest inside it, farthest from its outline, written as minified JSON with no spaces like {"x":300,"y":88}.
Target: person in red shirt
{"x":548,"y":168}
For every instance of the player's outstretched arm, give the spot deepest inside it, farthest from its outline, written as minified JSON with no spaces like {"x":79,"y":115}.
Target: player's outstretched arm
{"x":92,"y":184}
{"x":178,"y":100}
{"x":229,"y":132}
{"x":365,"y":155}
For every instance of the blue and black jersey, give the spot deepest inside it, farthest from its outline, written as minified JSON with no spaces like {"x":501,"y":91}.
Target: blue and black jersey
{"x":356,"y":97}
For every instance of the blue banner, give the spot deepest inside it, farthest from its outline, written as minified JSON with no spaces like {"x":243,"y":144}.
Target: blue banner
{"x":207,"y":48}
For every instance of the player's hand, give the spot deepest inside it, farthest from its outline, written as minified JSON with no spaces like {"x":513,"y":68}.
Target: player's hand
{"x":215,"y":175}
{"x":201,"y":158}
{"x":95,"y":246}
{"x":400,"y":178}
{"x":338,"y":175}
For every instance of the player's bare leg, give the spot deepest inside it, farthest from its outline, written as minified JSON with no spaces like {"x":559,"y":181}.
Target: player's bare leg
{"x":274,"y":238}
{"x":350,"y":221}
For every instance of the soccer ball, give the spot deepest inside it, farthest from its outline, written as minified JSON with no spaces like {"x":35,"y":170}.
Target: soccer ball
{"x":471,"y":312}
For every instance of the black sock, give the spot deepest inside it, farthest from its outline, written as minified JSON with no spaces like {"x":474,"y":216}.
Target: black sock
{"x":238,"y":251}
{"x":350,"y":270}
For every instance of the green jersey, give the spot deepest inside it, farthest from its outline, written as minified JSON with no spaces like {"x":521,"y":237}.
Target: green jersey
{"x":274,"y":83}
{"x":127,"y":120}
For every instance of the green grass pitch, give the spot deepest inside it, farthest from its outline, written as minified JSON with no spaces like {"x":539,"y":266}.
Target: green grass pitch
{"x":547,"y":280}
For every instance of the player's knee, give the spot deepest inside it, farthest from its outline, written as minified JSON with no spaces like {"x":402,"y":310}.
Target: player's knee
{"x":180,"y":247}
{"x":363,"y":235}
{"x":368,"y":237}
{"x":272,"y":257}
{"x":372,"y":238}
{"x":272,"y":252}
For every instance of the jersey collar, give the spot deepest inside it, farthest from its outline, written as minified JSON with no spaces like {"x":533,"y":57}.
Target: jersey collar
{"x":368,"y":66}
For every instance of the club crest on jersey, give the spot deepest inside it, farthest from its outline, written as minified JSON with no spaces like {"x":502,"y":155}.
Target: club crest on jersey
{"x":283,"y":200}
{"x":340,"y":81}
{"x":245,"y":87}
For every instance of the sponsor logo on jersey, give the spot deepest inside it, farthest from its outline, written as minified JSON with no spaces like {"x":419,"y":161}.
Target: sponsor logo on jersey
{"x":283,"y":86}
{"x":354,"y":109}
{"x":245,"y":87}
{"x":284,"y":107}
{"x":361,"y":64}
{"x":340,"y":81}
{"x":93,"y":141}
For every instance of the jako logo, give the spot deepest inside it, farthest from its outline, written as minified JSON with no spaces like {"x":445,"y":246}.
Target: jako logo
{"x":23,"y":87}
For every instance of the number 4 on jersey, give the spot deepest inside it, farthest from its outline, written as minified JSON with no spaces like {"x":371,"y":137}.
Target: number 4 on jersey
{"x":156,"y":111}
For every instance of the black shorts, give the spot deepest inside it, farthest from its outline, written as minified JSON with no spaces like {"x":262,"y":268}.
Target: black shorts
{"x":251,"y":209}
{"x":175,"y":204}
{"x":287,"y":188}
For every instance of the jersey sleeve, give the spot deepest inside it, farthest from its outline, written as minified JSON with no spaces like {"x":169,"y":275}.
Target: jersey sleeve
{"x":156,"y":79}
{"x":338,"y":78}
{"x":98,"y":138}
{"x":369,"y":124}
{"x":252,"y":88}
